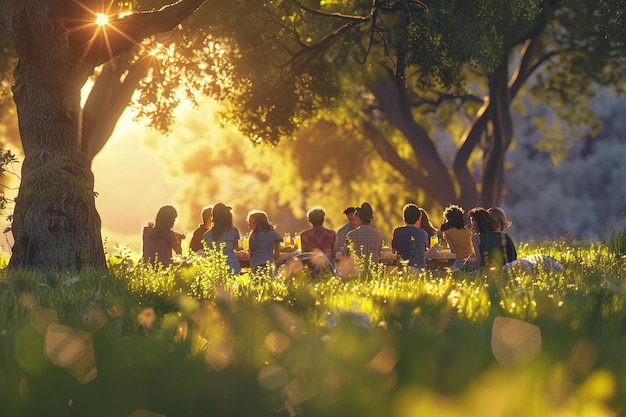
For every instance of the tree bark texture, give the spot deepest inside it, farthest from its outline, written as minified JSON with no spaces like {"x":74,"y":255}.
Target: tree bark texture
{"x":55,"y":222}
{"x":55,"y":225}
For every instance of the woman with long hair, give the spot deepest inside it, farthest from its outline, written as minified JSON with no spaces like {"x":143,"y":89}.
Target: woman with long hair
{"x":426,"y":225}
{"x":159,"y":240}
{"x":492,"y":248}
{"x":223,"y":235}
{"x":264,"y":240}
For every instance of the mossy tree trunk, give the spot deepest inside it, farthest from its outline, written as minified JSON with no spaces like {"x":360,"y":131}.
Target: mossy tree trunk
{"x":55,"y":223}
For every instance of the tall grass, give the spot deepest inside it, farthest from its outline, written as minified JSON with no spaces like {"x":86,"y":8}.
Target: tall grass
{"x":194,"y":340}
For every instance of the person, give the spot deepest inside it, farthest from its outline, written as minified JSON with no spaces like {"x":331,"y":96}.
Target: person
{"x":456,"y":233}
{"x":264,"y":240}
{"x":365,"y":240}
{"x":223,"y":234}
{"x":159,"y":240}
{"x":409,"y":241}
{"x":353,"y":223}
{"x":318,"y":237}
{"x":535,"y":263}
{"x":426,"y":225}
{"x":502,"y":222}
{"x":198,"y":235}
{"x":530,"y":263}
{"x":492,"y":249}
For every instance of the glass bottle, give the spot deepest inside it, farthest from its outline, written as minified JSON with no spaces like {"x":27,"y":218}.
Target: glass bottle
{"x":297,"y":242}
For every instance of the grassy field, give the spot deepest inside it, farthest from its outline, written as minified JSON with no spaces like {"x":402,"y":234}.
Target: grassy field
{"x":194,"y":341}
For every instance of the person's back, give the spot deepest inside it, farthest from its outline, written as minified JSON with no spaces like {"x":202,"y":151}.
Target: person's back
{"x":153,"y":251}
{"x":365,"y":240}
{"x":460,"y":242}
{"x":228,"y":242}
{"x":456,"y":233}
{"x":262,"y":247}
{"x":159,"y":240}
{"x":425,"y":224}
{"x":318,"y":237}
{"x":353,"y":223}
{"x":206,"y":214}
{"x":492,"y":249}
{"x":502,"y":223}
{"x":264,"y":241}
{"x":223,"y":235}
{"x":410,"y":241}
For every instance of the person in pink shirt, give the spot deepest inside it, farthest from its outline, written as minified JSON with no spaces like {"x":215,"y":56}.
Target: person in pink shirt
{"x":159,"y":240}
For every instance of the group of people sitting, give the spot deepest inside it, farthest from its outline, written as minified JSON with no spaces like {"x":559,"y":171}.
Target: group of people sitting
{"x":483,"y":243}
{"x":217,"y":231}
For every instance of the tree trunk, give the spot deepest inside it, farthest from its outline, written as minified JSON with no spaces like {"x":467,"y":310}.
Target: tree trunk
{"x":430,"y":173}
{"x":493,"y":172}
{"x":55,"y":225}
{"x":55,"y":222}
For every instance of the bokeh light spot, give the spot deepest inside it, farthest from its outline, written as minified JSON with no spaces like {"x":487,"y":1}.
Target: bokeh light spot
{"x":276,"y":342}
{"x":272,"y":377}
{"x":514,"y":342}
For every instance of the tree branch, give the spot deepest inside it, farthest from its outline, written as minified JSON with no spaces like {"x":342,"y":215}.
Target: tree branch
{"x":96,"y":44}
{"x":107,"y":101}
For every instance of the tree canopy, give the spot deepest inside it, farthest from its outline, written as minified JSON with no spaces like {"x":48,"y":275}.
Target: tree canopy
{"x":398,"y":72}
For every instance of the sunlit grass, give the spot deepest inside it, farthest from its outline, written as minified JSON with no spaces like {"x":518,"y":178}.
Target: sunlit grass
{"x":379,"y":341}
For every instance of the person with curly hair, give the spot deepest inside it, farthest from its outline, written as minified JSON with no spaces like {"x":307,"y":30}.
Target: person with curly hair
{"x":457,"y":234}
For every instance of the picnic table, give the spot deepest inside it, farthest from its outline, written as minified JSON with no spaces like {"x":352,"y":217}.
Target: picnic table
{"x":436,"y":257}
{"x":244,"y":257}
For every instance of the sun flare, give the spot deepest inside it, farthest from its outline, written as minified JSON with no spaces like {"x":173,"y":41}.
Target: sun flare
{"x":101,"y":19}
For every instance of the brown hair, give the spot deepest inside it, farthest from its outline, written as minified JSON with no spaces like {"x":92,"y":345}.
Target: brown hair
{"x":426,"y":224}
{"x":261,"y":222}
{"x":164,"y":222}
{"x":207,"y":214}
{"x":316,"y":216}
{"x":484,"y":221}
{"x":222,"y":220}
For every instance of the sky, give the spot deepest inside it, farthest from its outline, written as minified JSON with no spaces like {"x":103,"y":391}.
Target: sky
{"x":131,"y":184}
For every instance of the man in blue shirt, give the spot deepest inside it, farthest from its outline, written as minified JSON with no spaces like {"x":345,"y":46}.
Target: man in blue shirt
{"x":353,"y":223}
{"x":409,"y":241}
